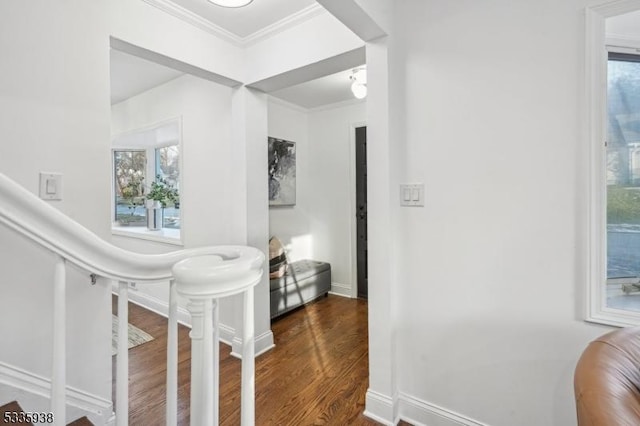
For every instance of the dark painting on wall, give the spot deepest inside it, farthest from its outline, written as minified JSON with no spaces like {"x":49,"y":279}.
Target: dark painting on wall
{"x":282,"y":172}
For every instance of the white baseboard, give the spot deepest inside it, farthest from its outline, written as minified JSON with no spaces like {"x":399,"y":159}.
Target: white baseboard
{"x":263,"y":343}
{"x":340,"y":290}
{"x":422,"y":413}
{"x":381,"y":408}
{"x":389,"y":411}
{"x":156,"y":305}
{"x":33,"y":393}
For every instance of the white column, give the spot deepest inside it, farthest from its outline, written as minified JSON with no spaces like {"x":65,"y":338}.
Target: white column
{"x":172,"y":357}
{"x":248,"y":362}
{"x":58,"y":379}
{"x":122,"y":358}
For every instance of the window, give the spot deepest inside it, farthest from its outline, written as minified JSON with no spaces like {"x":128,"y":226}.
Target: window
{"x":129,"y":180}
{"x":167,"y":168}
{"x":141,"y":158}
{"x":612,"y":171}
{"x":623,"y":182}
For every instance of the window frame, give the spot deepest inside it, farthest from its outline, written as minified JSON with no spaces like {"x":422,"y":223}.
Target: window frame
{"x":127,"y":141}
{"x":596,"y":60}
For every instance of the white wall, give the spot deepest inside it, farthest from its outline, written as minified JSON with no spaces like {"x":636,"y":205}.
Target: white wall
{"x":207,"y":176}
{"x":307,"y":43}
{"x":209,"y":179}
{"x":319,"y":226}
{"x":492,"y":271}
{"x":291,"y":224}
{"x":149,"y":27}
{"x":54,"y":116}
{"x":332,"y":189}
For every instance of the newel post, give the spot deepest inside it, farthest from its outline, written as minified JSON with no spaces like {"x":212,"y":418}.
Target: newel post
{"x":203,"y":280}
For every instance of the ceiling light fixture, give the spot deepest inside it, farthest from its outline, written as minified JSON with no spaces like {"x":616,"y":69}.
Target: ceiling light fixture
{"x":359,"y":85}
{"x":231,"y":3}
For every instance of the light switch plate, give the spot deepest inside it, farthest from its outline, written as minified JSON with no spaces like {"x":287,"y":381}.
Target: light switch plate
{"x":412,"y":194}
{"x":50,"y":186}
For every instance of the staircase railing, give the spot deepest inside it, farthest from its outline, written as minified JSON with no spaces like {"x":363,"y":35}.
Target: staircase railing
{"x":23,"y":212}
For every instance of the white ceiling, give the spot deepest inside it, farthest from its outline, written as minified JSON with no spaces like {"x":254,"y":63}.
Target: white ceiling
{"x":131,"y":75}
{"x":316,"y":93}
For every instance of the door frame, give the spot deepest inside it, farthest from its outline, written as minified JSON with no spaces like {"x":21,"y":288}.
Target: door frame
{"x":353,"y":226}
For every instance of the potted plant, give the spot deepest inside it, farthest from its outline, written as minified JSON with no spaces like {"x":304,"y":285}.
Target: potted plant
{"x":160,"y":194}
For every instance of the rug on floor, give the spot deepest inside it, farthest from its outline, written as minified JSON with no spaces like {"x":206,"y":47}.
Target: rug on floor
{"x":136,"y":336}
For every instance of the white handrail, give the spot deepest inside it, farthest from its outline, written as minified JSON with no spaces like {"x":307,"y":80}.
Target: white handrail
{"x":38,"y":221}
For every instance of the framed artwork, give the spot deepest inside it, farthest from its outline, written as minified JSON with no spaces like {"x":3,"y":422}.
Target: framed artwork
{"x":282,"y":172}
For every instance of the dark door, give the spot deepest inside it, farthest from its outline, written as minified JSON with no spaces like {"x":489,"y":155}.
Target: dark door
{"x":361,"y":210}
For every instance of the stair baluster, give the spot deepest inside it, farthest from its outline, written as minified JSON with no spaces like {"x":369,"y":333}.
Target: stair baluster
{"x":172,"y":357}
{"x":59,"y":361}
{"x":122,"y":359}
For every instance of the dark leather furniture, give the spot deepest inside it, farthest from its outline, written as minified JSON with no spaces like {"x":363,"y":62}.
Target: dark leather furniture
{"x":607,"y":378}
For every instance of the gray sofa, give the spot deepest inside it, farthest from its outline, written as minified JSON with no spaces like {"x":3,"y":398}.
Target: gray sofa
{"x":304,"y":281}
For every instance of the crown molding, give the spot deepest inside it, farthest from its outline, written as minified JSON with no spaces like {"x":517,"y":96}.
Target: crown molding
{"x":336,"y":105}
{"x":284,"y":24}
{"x":199,"y":22}
{"x":281,"y":102}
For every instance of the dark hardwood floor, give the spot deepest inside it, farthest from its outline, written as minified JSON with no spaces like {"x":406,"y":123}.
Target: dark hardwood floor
{"x":317,"y":374}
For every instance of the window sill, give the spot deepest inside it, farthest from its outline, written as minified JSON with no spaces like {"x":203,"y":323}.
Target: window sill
{"x":164,"y":235}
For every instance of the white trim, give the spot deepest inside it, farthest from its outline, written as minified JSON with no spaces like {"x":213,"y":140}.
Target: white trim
{"x":284,"y":24}
{"x":622,"y":44}
{"x":615,"y":8}
{"x":33,"y":393}
{"x":321,"y":108}
{"x":281,"y":102}
{"x":164,"y":235}
{"x":419,"y":412}
{"x":199,"y":22}
{"x":154,"y":304}
{"x":263,"y":343}
{"x":340,"y":104}
{"x":341,"y":290}
{"x":595,"y":116}
{"x":381,"y":408}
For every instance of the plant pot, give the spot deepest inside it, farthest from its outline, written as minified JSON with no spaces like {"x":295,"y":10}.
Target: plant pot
{"x":154,"y":215}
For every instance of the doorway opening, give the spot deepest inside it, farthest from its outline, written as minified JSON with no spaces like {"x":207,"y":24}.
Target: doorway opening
{"x":361,"y":212}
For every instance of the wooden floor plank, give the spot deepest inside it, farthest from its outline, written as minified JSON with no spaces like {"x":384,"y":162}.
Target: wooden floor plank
{"x":317,"y":374}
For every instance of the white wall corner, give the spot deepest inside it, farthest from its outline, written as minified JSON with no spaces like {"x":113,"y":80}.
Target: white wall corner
{"x":33,"y":394}
{"x":263,"y":343}
{"x":419,"y":412}
{"x":381,"y":408}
